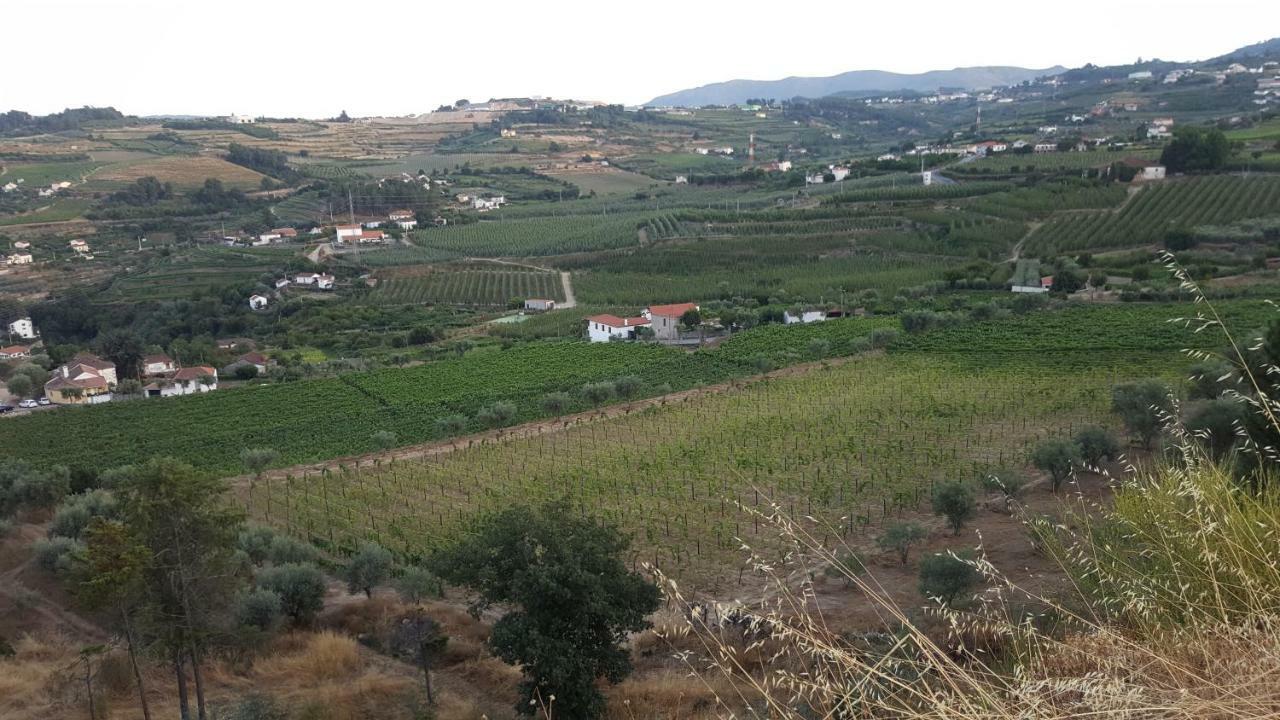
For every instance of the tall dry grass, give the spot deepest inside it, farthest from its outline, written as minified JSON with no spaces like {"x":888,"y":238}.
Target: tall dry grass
{"x":1173,"y":609}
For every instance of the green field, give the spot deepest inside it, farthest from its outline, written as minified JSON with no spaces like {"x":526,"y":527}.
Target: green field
{"x":529,"y":237}
{"x":57,"y":210}
{"x":191,"y":272}
{"x":1050,"y":162}
{"x":467,"y":286}
{"x":606,"y":183}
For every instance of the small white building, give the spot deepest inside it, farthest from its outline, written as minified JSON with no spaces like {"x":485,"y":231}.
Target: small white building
{"x":682,"y":179}
{"x":603,"y":328}
{"x":21,"y":259}
{"x":282,"y":283}
{"x":840,"y":173}
{"x":805,"y":317}
{"x":258,"y":302}
{"x":187,"y":381}
{"x":23,"y":328}
{"x":240,"y":119}
{"x":267,"y":237}
{"x":926,"y":177}
{"x":306,"y":278}
{"x":324,"y":282}
{"x":158,"y":365}
{"x":887,"y":157}
{"x":1140,"y":75}
{"x":9,"y":187}
{"x":1046,"y":147}
{"x":409,"y":224}
{"x":1153,"y":172}
{"x":539,"y":304}
{"x":349,"y":233}
{"x":15,"y":352}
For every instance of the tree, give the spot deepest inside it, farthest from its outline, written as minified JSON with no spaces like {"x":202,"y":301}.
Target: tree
{"x":900,"y":537}
{"x":1217,"y":424}
{"x":1141,"y":406}
{"x":384,"y":439}
{"x":1095,"y":443}
{"x":245,"y":372}
{"x":369,"y":568}
{"x":1196,"y":149}
{"x":420,"y":639}
{"x":257,"y":460}
{"x":21,"y":386}
{"x":415,"y":583}
{"x":300,"y":587}
{"x":572,"y":601}
{"x":111,"y":576}
{"x":946,"y":577}
{"x":691,"y":318}
{"x":188,"y":530}
{"x":259,"y":609}
{"x":955,"y":502}
{"x":125,"y":349}
{"x":1056,"y":457}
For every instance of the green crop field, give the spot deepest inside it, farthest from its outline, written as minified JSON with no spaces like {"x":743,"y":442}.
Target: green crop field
{"x":851,"y":445}
{"x":195,"y":271}
{"x":59,"y":210}
{"x":467,"y":286}
{"x":1159,"y":208}
{"x":38,"y":175}
{"x":1050,"y":162}
{"x":534,"y":236}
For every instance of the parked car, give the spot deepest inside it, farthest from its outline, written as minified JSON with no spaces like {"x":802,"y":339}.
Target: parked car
{"x":5,"y":409}
{"x":28,"y":403}
{"x":44,"y":401}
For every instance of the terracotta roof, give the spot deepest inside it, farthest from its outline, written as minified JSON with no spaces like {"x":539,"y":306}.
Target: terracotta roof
{"x":285,"y":231}
{"x":148,"y":360}
{"x":615,"y":321}
{"x":195,"y":373}
{"x":370,"y":234}
{"x":674,"y":311}
{"x":256,"y":358}
{"x":1046,"y":281}
{"x":59,"y":382}
{"x":15,"y":350}
{"x":92,"y":361}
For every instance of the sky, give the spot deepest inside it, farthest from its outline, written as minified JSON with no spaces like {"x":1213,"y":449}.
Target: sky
{"x":385,"y":57}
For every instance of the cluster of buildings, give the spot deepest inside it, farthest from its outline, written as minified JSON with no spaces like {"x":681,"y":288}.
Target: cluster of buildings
{"x":663,"y":321}
{"x":837,"y":172}
{"x":52,"y":189}
{"x":477,"y":201}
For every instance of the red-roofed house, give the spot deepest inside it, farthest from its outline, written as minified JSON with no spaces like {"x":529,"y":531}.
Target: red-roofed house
{"x":186,"y":381}
{"x":372,"y":236}
{"x":157,"y":365}
{"x":603,"y":328}
{"x":666,"y":319}
{"x":349,"y":233}
{"x":85,"y":379}
{"x":13,"y":352}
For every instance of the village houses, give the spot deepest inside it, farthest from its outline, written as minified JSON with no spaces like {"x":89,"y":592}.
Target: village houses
{"x":85,"y":379}
{"x":603,"y":328}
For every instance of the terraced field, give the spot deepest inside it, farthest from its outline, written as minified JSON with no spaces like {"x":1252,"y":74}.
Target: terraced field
{"x":471,"y":286}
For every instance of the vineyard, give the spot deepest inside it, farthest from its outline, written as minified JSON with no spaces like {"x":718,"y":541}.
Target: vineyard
{"x":1007,"y":162}
{"x":852,"y":445}
{"x":1157,"y":209}
{"x":535,"y":236}
{"x":466,"y":286}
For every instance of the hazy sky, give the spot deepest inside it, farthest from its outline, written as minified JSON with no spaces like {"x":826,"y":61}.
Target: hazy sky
{"x":315,"y":58}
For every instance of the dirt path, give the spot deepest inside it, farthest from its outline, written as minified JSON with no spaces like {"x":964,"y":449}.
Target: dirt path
{"x":536,"y":428}
{"x":12,"y":588}
{"x":570,"y":301}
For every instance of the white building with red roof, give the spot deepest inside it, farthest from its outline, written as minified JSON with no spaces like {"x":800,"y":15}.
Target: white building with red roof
{"x":665,"y":319}
{"x":86,"y":379}
{"x":158,"y":365}
{"x":349,"y":233}
{"x":15,"y":352}
{"x":184,"y":381}
{"x":603,"y":328}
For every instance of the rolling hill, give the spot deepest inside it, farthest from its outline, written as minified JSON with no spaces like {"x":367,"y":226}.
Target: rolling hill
{"x":737,"y":91}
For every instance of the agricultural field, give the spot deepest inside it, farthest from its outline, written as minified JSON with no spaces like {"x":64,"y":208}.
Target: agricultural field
{"x":1157,"y":209}
{"x":185,"y":172}
{"x":54,"y":210}
{"x":1007,"y":162}
{"x":666,"y":166}
{"x":466,"y":285}
{"x":189,"y":272}
{"x":37,"y":175}
{"x":851,"y":445}
{"x":531,"y":237}
{"x":604,"y":182}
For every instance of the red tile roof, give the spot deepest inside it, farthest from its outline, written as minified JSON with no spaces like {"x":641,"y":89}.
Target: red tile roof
{"x":93,"y":361}
{"x":674,"y":311}
{"x":15,"y":350}
{"x":148,"y":360}
{"x":615,"y":321}
{"x":195,"y":373}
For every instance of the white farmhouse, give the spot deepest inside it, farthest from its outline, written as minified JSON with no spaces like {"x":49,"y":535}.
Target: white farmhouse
{"x":21,"y":259}
{"x":324,"y":282}
{"x":349,"y":233}
{"x":805,"y":317}
{"x":258,"y":302}
{"x":23,"y":328}
{"x":186,"y":381}
{"x":603,"y":328}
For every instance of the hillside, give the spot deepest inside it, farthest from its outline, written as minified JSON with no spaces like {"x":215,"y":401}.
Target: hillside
{"x":857,"y":81}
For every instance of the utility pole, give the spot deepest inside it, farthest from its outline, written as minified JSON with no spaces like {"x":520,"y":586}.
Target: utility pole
{"x":351,"y":206}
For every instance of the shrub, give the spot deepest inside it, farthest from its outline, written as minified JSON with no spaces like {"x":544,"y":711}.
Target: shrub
{"x":819,"y":348}
{"x":416,"y":583}
{"x":881,"y":337}
{"x":75,"y":514}
{"x":56,"y":554}
{"x":1216,"y":425}
{"x":498,"y":414}
{"x":300,"y":587}
{"x":255,"y":541}
{"x":598,"y":392}
{"x":1209,"y":380}
{"x":954,"y":501}
{"x":946,"y":577}
{"x":451,"y":424}
{"x":285,"y":550}
{"x":24,"y":486}
{"x":900,"y":537}
{"x":1006,"y":481}
{"x":1057,"y":458}
{"x":254,"y":707}
{"x":384,"y":439}
{"x":627,"y":386}
{"x":1095,"y":443}
{"x":556,"y":402}
{"x":259,"y":609}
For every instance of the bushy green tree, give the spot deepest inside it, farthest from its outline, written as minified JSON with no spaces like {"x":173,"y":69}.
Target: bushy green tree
{"x":300,"y":587}
{"x":1196,"y":149}
{"x":1056,"y":457}
{"x":900,"y":537}
{"x":946,"y":577}
{"x":1218,"y":424}
{"x":1141,"y":406}
{"x":1095,"y":443}
{"x":259,"y":609}
{"x":416,"y":583}
{"x":370,"y":567}
{"x":572,"y":601}
{"x":954,"y":501}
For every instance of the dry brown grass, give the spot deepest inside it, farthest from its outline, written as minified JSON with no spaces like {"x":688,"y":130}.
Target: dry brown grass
{"x":33,"y":681}
{"x":322,"y":656}
{"x":183,"y":171}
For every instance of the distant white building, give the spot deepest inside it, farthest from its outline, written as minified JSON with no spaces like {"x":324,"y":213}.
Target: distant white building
{"x":682,"y":179}
{"x":21,"y":259}
{"x":926,"y":177}
{"x":349,"y":233}
{"x":539,"y":304}
{"x":1140,"y":75}
{"x":808,"y":316}
{"x":258,"y":302}
{"x":186,"y":381}
{"x":240,"y":119}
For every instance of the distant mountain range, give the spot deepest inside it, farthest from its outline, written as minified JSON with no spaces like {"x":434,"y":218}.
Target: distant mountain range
{"x":857,"y":81}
